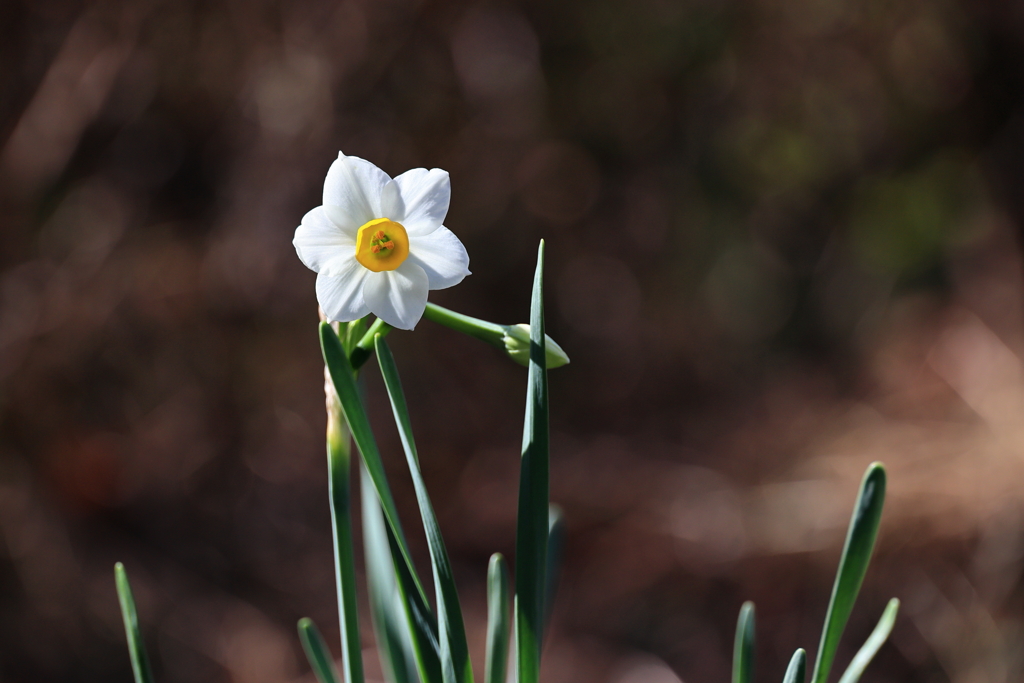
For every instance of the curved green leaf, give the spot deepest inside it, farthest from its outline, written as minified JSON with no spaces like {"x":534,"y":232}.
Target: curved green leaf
{"x":343,"y":377}
{"x":556,"y":545}
{"x":421,"y":621}
{"x":532,"y":523}
{"x":860,"y":542}
{"x":496,"y":661}
{"x":316,"y":652}
{"x":339,"y":485}
{"x":743,"y":647}
{"x":455,"y":662}
{"x":874,"y":642}
{"x":796,"y":672}
{"x":387,"y":608}
{"x":136,"y":648}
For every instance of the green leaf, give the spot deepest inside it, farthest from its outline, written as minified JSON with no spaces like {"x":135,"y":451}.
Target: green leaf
{"x":872,"y":644}
{"x":496,"y":661}
{"x":556,"y":544}
{"x":343,"y":377}
{"x":797,"y":669}
{"x":317,"y":653}
{"x":743,"y":648}
{"x":136,"y":648}
{"x":422,"y":623}
{"x":455,"y":662}
{"x":532,"y":523}
{"x":860,"y":542}
{"x":339,"y":466}
{"x":387,"y":609}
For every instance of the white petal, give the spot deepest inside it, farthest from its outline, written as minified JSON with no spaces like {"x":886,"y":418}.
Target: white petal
{"x":391,"y":204}
{"x":319,"y":239}
{"x":426,"y":195}
{"x":341,"y":296}
{"x":398,"y":296}
{"x":346,"y":221}
{"x":354,"y":186}
{"x":442,"y":256}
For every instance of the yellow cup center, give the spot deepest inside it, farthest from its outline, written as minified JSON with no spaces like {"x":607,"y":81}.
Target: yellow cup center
{"x":382,"y":244}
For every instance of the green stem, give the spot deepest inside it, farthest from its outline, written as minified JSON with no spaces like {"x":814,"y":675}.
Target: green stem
{"x":339,"y":450}
{"x":490,"y":333}
{"x":361,"y":353}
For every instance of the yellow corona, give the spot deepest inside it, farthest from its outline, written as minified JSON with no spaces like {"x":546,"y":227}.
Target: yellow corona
{"x":382,"y":245}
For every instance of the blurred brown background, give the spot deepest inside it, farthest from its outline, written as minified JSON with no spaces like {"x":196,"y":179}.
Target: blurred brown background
{"x":783,"y":242}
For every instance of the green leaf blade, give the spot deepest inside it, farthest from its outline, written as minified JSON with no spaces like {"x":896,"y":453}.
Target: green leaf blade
{"x":532,"y":522}
{"x":422,"y":623}
{"x":556,"y":546}
{"x":317,"y":652}
{"x":455,"y":661}
{"x":339,"y":466}
{"x":796,"y":672}
{"x":136,"y":648}
{"x":743,"y":647}
{"x":390,"y":617}
{"x":873,"y":644}
{"x":860,"y":543}
{"x":498,"y":622}
{"x":343,"y":378}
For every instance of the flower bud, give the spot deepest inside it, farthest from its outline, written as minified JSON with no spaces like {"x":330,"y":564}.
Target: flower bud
{"x":517,"y":345}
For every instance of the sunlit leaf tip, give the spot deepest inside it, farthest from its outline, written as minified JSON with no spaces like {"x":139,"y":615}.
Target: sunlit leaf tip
{"x":853,"y":565}
{"x":498,"y":621}
{"x":743,"y":648}
{"x":873,"y":644}
{"x":317,"y":652}
{"x":136,"y":648}
{"x":796,"y":672}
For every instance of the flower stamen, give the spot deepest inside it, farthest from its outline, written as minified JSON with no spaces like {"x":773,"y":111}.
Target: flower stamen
{"x":382,"y":244}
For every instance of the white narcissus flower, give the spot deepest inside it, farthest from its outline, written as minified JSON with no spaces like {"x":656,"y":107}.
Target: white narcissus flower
{"x":377,"y":243}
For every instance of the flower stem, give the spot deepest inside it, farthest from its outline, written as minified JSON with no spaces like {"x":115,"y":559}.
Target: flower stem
{"x":490,"y":333}
{"x":361,"y":353}
{"x":514,"y":340}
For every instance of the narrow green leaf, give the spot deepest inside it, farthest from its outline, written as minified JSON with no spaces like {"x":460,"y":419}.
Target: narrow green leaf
{"x":317,"y":653}
{"x":743,"y":648}
{"x":496,"y":661}
{"x":532,"y":523}
{"x":455,"y":662}
{"x":136,"y":648}
{"x":860,"y":542}
{"x":343,"y":377}
{"x":556,"y":545}
{"x":797,"y":670}
{"x":872,"y":644}
{"x":389,"y":616}
{"x":339,"y":490}
{"x":422,"y":623}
